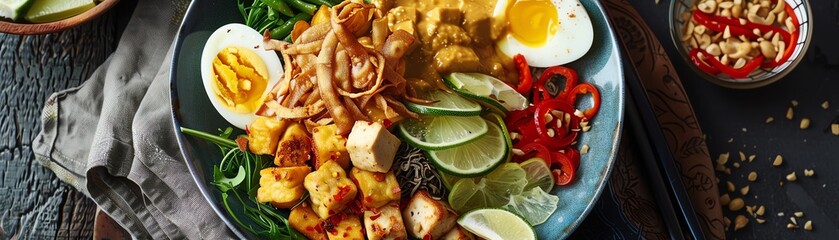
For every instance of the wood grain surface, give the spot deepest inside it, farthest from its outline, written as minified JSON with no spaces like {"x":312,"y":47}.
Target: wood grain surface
{"x":34,"y":204}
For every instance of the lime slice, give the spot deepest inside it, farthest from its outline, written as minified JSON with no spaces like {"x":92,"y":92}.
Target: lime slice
{"x":492,"y":190}
{"x":14,"y":9}
{"x":488,"y":90}
{"x":538,"y":174}
{"x":496,"y":224}
{"x":534,"y":205}
{"x":448,"y":180}
{"x":450,"y":104}
{"x":474,"y":158}
{"x":494,"y":117}
{"x":442,"y":132}
{"x":54,"y":10}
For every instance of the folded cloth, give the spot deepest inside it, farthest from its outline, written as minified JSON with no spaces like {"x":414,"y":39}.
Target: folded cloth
{"x":112,"y":138}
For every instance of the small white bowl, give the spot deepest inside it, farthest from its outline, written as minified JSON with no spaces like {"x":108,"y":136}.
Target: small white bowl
{"x":761,"y":76}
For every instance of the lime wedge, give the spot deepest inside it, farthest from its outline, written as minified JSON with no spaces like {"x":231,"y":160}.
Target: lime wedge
{"x":496,"y":224}
{"x":534,"y":205}
{"x":14,"y":9}
{"x":538,"y":174}
{"x":492,"y":190}
{"x":474,"y":158}
{"x":54,"y":10}
{"x":450,"y":104}
{"x":442,"y":132}
{"x":487,"y":89}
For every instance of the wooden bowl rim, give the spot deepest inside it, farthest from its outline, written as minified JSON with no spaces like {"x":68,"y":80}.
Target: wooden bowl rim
{"x":51,"y":27}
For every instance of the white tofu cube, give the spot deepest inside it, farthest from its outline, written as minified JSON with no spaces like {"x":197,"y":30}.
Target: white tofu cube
{"x":458,"y":233}
{"x":371,"y":146}
{"x":425,"y":216}
{"x":386,"y":223}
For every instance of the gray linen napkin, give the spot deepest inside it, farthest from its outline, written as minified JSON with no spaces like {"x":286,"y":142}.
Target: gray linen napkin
{"x":112,"y":138}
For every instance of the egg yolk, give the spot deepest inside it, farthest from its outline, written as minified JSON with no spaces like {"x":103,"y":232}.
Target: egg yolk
{"x":240,"y":78}
{"x":532,"y":21}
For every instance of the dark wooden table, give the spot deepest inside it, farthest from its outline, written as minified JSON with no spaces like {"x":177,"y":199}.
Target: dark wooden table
{"x":35,"y":204}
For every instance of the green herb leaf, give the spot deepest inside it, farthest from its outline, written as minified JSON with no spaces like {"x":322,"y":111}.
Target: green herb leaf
{"x":224,"y":183}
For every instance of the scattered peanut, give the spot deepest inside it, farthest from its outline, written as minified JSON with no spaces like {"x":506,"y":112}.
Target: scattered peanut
{"x":770,"y":119}
{"x":584,"y":149}
{"x":805,"y":123}
{"x":745,"y":190}
{"x":791,"y":177}
{"x":730,"y":186}
{"x":722,"y":159}
{"x":809,"y":172}
{"x":791,"y":226}
{"x":808,"y":225}
{"x":736,"y":165}
{"x":725,"y":199}
{"x":726,"y":221}
{"x":760,"y":211}
{"x":834,"y":128}
{"x":778,"y":161}
{"x":760,"y":220}
{"x":799,"y":214}
{"x":736,"y":204}
{"x":752,"y":158}
{"x":793,"y":220}
{"x":742,"y":156}
{"x":794,"y":103}
{"x":518,"y":152}
{"x":790,"y":114}
{"x":740,"y":222}
{"x":752,"y":176}
{"x":825,"y":105}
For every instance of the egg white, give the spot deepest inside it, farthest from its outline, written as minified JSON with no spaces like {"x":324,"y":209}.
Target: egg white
{"x":571,"y":41}
{"x":237,"y":35}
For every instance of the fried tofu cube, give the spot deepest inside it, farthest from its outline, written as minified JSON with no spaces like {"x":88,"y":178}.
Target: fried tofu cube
{"x":371,"y":146}
{"x":281,"y":186}
{"x":425,"y":216}
{"x":295,"y":148}
{"x":376,"y":189}
{"x":330,"y":146}
{"x":329,"y":189}
{"x":303,"y":219}
{"x":385,"y":223}
{"x":344,"y":227}
{"x":458,"y":233}
{"x":264,"y":135}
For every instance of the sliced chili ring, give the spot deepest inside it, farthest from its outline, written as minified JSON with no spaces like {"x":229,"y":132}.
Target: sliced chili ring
{"x":564,"y":135}
{"x":570,"y":81}
{"x":574,"y":156}
{"x":582,"y":89}
{"x":535,"y":150}
{"x":525,"y":79}
{"x":566,"y":170}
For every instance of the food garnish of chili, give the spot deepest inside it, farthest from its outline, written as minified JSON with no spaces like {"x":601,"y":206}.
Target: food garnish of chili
{"x":770,"y":44}
{"x":548,"y":129}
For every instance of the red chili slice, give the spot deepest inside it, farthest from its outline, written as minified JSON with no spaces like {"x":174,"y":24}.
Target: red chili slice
{"x":574,"y":156}
{"x":700,"y":62}
{"x":525,"y":78}
{"x":560,"y":138}
{"x":535,"y":150}
{"x":570,"y":81}
{"x":582,"y":89}
{"x":566,"y":171}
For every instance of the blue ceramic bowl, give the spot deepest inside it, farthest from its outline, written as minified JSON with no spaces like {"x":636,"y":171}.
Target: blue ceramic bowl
{"x":601,"y":66}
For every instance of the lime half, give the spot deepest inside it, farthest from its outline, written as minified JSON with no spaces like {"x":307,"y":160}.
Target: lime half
{"x":450,"y":104}
{"x":487,"y":89}
{"x":496,"y":224}
{"x":54,"y":10}
{"x":538,"y":174}
{"x":474,"y":158}
{"x":534,"y":205}
{"x":442,"y":132}
{"x":492,"y":190}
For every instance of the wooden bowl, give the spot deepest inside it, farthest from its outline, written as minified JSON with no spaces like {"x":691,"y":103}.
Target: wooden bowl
{"x":60,"y":25}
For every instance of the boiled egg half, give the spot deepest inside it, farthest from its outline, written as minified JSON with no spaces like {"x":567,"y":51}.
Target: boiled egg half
{"x":546,"y":32}
{"x":238,"y":72}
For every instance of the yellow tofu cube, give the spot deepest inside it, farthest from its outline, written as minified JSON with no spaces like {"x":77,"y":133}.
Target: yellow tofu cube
{"x":385,"y":223}
{"x":376,"y":189}
{"x":282,"y":186}
{"x":344,"y":227}
{"x":458,"y":233}
{"x":371,"y":146}
{"x":330,"y":146}
{"x":295,"y":148}
{"x":329,"y":189}
{"x":425,"y":216}
{"x":303,"y":219}
{"x":264,"y":135}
